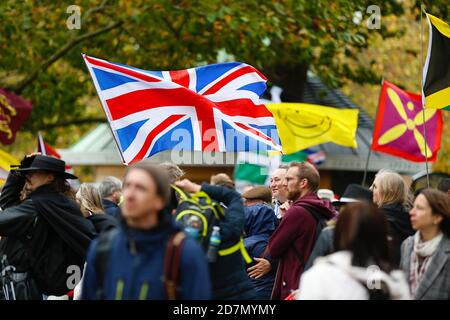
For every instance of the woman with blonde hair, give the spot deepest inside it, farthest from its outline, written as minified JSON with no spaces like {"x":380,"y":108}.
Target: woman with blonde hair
{"x":391,"y":194}
{"x":90,"y":202}
{"x":88,"y":197}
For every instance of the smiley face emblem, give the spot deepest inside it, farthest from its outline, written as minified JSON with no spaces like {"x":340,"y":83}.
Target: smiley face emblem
{"x":306,"y":125}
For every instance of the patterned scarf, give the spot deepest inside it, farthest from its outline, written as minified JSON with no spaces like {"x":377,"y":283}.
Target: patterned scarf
{"x":421,"y":257}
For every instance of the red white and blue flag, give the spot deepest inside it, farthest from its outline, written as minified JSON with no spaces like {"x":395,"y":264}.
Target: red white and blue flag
{"x":209,"y":108}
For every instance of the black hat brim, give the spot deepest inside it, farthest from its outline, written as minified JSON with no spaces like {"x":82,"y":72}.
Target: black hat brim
{"x":64,"y":175}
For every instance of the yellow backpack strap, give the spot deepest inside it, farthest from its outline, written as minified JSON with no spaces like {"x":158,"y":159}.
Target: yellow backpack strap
{"x":182,"y":194}
{"x":238,"y":246}
{"x":209,"y":204}
{"x":202,"y":195}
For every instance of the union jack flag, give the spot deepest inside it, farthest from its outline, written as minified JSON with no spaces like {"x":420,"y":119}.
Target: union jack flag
{"x":210,"y":108}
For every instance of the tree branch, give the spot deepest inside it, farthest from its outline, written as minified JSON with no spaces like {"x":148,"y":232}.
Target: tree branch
{"x":61,"y":52}
{"x":94,"y":10}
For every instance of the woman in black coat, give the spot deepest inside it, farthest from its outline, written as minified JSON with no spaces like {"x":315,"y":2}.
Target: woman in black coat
{"x":42,"y":234}
{"x":391,"y":194}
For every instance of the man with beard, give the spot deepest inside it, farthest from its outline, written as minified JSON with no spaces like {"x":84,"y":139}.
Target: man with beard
{"x":293,"y":240}
{"x":42,"y":228}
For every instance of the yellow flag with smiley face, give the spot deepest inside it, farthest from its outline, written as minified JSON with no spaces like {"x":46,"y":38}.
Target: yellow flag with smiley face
{"x":303,"y":125}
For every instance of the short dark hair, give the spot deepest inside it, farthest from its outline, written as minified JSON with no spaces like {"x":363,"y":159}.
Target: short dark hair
{"x":222,"y":179}
{"x":309,"y":172}
{"x":362,"y":229}
{"x":159,"y":177}
{"x":444,"y":185}
{"x":440,"y":205}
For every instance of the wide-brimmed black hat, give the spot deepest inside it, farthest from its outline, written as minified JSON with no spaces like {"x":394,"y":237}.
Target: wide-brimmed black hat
{"x":355,"y":193}
{"x":45,"y":163}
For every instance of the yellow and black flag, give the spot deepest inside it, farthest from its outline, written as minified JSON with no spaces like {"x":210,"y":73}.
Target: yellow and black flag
{"x":436,"y":71}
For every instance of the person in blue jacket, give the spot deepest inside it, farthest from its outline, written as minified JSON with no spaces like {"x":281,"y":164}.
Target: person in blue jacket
{"x":260,"y":222}
{"x":111,"y":192}
{"x":134,"y":257}
{"x":228,"y":274}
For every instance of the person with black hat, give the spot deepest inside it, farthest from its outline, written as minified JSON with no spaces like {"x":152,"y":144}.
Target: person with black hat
{"x":324,"y":245}
{"x":43,"y":232}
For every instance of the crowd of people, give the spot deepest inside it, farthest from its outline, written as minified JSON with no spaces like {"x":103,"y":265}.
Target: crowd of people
{"x":157,"y":235}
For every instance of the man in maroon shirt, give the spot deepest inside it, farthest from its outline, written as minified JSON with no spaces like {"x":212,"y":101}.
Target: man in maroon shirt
{"x":293,"y":240}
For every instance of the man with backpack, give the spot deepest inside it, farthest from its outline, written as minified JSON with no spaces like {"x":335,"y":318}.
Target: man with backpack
{"x":228,"y":276}
{"x":305,"y":216}
{"x":44,"y":234}
{"x":148,"y":257}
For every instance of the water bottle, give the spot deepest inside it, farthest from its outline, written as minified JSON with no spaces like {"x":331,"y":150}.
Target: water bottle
{"x":192,"y":228}
{"x":214,"y":243}
{"x":192,"y":233}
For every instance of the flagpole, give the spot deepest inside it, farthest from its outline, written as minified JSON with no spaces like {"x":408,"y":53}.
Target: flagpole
{"x":370,"y":147}
{"x":104,"y":108}
{"x":423,"y":105}
{"x":367,"y":166}
{"x":41,"y":143}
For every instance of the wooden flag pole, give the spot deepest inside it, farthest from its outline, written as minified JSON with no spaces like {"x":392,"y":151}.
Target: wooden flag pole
{"x":422,"y":10}
{"x":370,"y":147}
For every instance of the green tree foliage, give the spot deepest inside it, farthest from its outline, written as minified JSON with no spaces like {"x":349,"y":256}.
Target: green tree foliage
{"x":40,"y":58}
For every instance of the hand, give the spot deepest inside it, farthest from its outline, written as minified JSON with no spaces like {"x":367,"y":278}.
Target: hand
{"x":33,"y":154}
{"x":188,"y":186}
{"x":26,"y":160}
{"x":260,"y":269}
{"x":285,"y":207}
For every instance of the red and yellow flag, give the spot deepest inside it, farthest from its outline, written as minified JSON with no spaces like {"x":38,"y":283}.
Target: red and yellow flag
{"x":400,"y":123}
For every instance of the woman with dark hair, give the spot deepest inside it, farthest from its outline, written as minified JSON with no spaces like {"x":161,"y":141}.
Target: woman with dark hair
{"x":42,"y":228}
{"x":426,"y":255}
{"x":360,"y":269}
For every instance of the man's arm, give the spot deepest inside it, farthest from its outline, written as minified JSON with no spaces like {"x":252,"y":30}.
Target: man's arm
{"x":232,"y":225}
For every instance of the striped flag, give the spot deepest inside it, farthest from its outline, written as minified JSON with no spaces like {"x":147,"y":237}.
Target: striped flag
{"x":436,"y":71}
{"x":208,"y":108}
